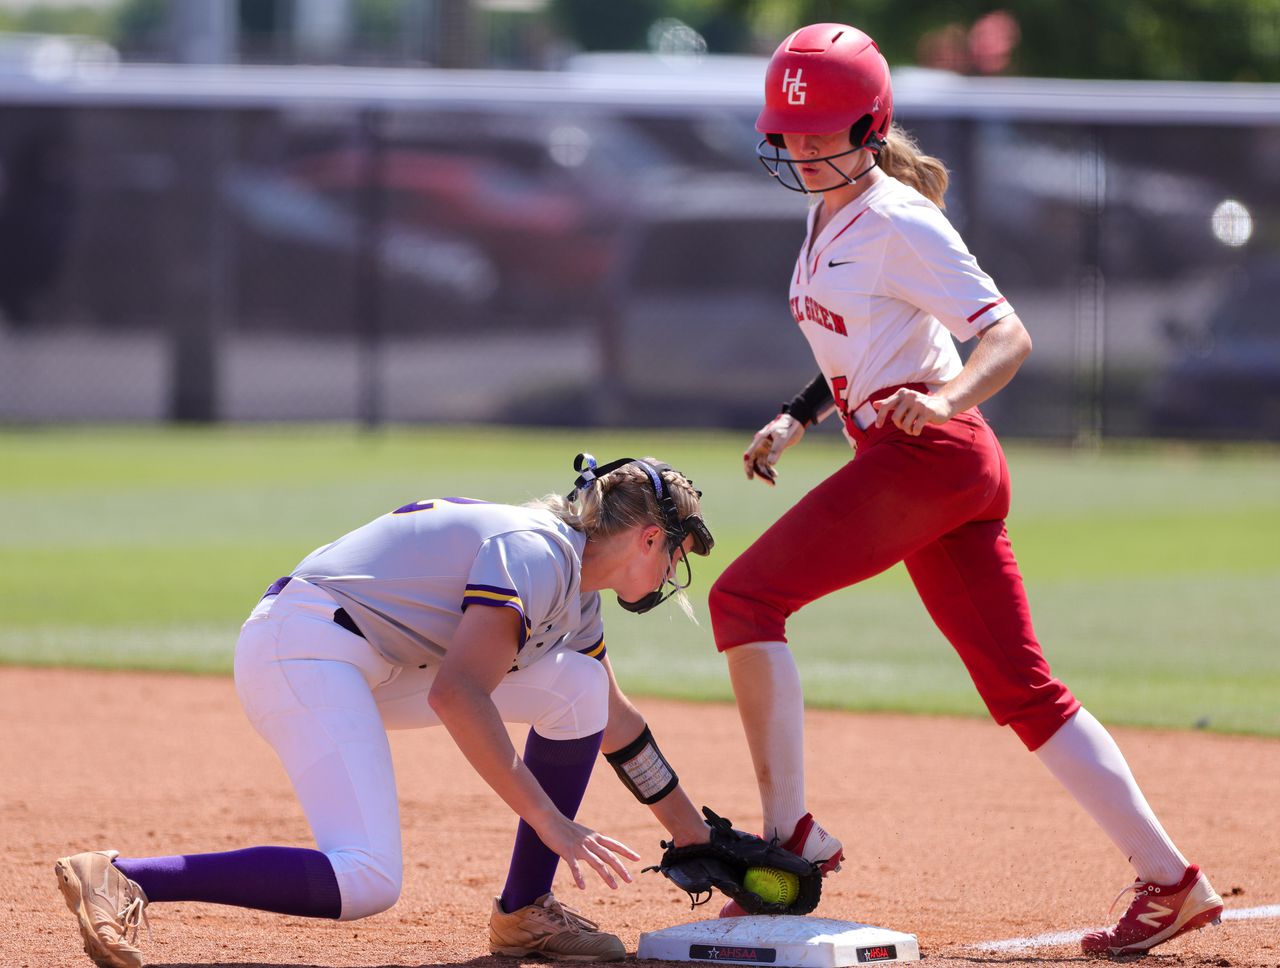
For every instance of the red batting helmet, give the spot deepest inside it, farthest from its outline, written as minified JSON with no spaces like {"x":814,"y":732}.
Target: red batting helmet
{"x":823,"y":78}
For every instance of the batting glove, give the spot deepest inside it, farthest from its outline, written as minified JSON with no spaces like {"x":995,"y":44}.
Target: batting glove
{"x":767,"y":446}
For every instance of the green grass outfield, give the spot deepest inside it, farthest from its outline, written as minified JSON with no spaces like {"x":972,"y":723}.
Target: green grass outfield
{"x":1151,"y":570}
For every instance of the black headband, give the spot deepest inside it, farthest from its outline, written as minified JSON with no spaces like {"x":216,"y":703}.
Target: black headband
{"x":676,"y":527}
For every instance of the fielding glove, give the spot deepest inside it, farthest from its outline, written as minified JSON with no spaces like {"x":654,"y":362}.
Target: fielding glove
{"x":723,"y":863}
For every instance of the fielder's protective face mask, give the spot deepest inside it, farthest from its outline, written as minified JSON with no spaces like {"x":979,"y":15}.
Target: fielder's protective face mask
{"x":658,"y":596}
{"x":676,"y":527}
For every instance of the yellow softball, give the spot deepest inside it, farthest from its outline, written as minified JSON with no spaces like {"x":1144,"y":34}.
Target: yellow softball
{"x":773,"y":885}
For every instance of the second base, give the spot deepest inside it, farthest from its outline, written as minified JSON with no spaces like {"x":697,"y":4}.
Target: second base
{"x":784,"y":940}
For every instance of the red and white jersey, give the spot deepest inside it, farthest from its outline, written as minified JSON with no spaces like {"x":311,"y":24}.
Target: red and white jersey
{"x":883,"y":288}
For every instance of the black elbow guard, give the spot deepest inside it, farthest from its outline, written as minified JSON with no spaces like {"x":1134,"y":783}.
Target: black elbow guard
{"x":643,"y":769}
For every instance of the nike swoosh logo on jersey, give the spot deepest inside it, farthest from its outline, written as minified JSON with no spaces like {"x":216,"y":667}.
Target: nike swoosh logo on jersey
{"x":832,"y":263}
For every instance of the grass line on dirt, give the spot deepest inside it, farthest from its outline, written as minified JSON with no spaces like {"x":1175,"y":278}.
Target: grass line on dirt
{"x":1150,"y":568}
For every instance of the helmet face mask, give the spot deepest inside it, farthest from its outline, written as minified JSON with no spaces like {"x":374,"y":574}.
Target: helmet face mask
{"x":770,"y":152}
{"x":824,"y":78}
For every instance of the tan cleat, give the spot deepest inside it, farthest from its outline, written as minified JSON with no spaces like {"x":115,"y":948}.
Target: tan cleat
{"x":548,"y":928}
{"x":107,"y":904}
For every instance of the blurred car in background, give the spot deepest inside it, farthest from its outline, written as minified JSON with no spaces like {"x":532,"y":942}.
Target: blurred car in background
{"x":607,"y":227}
{"x":1225,"y":378}
{"x":519,"y":218}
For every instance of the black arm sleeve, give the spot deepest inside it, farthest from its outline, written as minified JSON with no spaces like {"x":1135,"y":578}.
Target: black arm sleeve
{"x":641,"y":766}
{"x":811,"y":401}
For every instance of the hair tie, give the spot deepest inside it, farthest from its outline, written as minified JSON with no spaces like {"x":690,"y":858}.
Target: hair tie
{"x":586,"y":465}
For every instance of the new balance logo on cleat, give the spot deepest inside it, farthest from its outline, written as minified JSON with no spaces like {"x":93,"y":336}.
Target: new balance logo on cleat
{"x":1154,"y":913}
{"x":1158,"y":913}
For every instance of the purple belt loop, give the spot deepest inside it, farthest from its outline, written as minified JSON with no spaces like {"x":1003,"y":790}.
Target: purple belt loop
{"x":276,"y":587}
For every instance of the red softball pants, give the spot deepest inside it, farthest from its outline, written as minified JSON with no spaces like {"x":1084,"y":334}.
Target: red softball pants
{"x":936,"y":502}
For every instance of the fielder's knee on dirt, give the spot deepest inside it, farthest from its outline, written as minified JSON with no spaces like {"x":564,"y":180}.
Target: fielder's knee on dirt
{"x":369,"y":883}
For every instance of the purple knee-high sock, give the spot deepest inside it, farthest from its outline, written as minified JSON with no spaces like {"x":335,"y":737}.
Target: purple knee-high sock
{"x":563,"y":767}
{"x":286,"y":880}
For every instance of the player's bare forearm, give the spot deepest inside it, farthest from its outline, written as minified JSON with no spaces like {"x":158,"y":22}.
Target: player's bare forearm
{"x":675,"y":811}
{"x":1000,"y":351}
{"x":476,"y":727}
{"x":680,"y":818}
{"x":482,"y":651}
{"x":625,"y":721}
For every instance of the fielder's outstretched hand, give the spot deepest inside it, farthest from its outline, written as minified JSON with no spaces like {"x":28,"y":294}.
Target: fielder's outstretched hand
{"x":767,"y":446}
{"x":911,"y":410}
{"x":580,"y":845}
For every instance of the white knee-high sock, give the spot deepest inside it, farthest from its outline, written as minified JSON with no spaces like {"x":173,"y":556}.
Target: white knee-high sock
{"x":1087,"y":761}
{"x":766,"y":684}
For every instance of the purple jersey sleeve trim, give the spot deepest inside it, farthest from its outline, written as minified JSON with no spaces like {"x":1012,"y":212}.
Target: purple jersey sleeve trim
{"x":513,"y":605}
{"x":277,"y":586}
{"x":495,"y":597}
{"x":492,"y":590}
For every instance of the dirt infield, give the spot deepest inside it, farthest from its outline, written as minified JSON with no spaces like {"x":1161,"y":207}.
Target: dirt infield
{"x":953,"y":831}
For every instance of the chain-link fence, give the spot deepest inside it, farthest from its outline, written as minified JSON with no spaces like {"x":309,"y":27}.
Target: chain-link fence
{"x":274,"y":244}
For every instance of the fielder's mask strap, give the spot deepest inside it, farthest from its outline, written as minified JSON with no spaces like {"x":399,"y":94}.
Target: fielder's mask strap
{"x":676,"y":527}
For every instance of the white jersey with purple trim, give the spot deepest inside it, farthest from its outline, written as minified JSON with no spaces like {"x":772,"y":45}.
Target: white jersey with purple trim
{"x":880,"y":287}
{"x":406,"y":578}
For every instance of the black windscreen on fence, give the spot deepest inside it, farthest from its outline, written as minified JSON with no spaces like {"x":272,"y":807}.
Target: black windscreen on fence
{"x":603,"y":256}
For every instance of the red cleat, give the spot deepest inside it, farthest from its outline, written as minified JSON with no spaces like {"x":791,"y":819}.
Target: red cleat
{"x":812,"y":843}
{"x":1158,"y":912}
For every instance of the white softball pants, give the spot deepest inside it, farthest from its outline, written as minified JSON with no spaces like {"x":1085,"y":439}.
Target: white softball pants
{"x":323,"y":698}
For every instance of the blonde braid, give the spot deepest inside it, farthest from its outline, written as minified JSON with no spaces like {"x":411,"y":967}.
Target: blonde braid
{"x":621,"y":500}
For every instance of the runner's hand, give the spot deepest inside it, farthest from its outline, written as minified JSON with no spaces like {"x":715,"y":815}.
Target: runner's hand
{"x":767,"y":446}
{"x":911,"y":410}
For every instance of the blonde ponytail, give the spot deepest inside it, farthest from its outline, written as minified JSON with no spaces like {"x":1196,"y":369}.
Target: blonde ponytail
{"x":901,"y":157}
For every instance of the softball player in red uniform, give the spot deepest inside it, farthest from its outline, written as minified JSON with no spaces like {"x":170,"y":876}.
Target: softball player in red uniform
{"x":454,"y":612}
{"x":881,"y":286}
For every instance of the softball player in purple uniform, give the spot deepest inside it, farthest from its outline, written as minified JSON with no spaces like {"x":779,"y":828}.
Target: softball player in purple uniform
{"x":881,"y":286}
{"x":384,"y":629}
